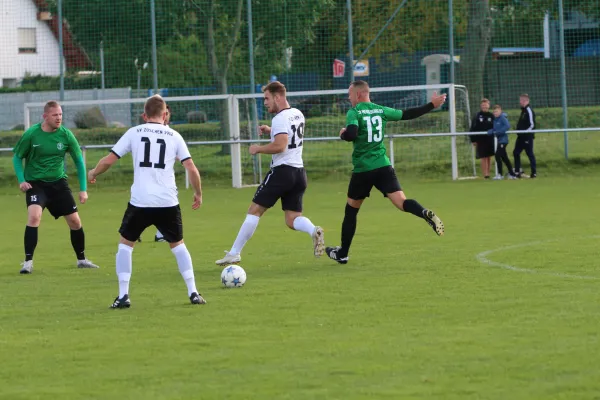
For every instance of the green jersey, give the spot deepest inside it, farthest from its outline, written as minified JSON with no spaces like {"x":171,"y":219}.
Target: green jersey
{"x":44,"y":153}
{"x":369,"y":150}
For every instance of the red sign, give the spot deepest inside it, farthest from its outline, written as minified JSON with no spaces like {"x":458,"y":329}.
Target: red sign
{"x":339,"y":68}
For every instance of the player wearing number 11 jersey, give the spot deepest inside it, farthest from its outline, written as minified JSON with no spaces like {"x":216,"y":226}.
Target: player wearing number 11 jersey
{"x":154,"y":148}
{"x":287,"y":178}
{"x":366,"y":122}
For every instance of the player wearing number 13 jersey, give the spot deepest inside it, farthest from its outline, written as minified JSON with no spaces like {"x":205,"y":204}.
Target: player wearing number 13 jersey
{"x":365,"y":128}
{"x":287,"y":178}
{"x":154,"y":148}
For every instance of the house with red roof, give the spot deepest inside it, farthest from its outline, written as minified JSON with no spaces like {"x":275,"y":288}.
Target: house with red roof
{"x":30,"y":34}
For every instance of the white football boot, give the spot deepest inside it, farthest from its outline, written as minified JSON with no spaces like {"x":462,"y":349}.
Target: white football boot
{"x":229,"y":259}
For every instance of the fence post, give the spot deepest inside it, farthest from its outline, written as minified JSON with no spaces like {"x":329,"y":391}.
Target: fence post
{"x":61,"y":55}
{"x":350,"y":40}
{"x":154,"y":57}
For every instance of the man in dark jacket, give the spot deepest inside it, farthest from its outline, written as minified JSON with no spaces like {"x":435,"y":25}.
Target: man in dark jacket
{"x":484,"y":144}
{"x":525,"y":140}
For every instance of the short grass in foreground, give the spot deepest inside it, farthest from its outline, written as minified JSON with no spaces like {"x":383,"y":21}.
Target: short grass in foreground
{"x":411,"y":316}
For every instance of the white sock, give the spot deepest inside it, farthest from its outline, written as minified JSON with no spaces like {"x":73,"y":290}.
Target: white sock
{"x":158,"y":234}
{"x":184,"y":262}
{"x":124,"y":268}
{"x":245,"y":233}
{"x":303,"y":224}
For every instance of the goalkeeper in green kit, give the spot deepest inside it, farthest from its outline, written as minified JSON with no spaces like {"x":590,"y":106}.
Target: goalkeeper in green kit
{"x":44,"y":181}
{"x":365,"y":128}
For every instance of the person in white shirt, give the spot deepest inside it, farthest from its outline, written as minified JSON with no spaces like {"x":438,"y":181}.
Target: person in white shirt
{"x":158,"y":237}
{"x":287,"y":178}
{"x":154,"y":148}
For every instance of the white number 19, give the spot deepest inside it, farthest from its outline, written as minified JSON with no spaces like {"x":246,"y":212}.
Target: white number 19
{"x":377,"y":123}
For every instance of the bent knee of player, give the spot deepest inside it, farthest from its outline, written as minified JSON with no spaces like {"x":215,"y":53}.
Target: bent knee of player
{"x":34,"y":215}
{"x":73,"y":221}
{"x":256,"y":210}
{"x":126,"y":242}
{"x":397,"y":198}
{"x":175,"y":244}
{"x":290,"y":216}
{"x":355,"y":203}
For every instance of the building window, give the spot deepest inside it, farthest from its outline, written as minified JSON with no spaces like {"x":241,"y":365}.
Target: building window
{"x":27,"y":41}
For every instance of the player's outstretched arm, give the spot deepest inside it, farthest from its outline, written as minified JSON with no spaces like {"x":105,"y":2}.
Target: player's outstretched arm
{"x":103,"y":165}
{"x":195,"y":181}
{"x":412,"y":113}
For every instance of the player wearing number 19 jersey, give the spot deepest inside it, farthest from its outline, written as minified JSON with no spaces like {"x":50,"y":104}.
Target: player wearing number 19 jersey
{"x":287,"y":178}
{"x":365,"y":128}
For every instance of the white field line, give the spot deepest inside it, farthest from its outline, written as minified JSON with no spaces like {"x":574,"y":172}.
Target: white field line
{"x":483,"y":258}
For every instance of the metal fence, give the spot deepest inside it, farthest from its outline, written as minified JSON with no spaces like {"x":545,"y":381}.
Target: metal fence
{"x":497,"y":49}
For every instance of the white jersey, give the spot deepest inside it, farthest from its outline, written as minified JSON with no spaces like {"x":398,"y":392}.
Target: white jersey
{"x":289,"y":121}
{"x":154,"y":148}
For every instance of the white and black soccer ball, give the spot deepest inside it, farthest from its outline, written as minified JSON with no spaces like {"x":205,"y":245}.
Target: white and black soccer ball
{"x":233,"y":276}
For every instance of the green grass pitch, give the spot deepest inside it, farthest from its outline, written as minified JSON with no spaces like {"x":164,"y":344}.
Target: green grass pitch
{"x":412,"y":316}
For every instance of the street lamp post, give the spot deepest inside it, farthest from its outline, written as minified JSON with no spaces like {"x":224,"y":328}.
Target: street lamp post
{"x":139,"y":74}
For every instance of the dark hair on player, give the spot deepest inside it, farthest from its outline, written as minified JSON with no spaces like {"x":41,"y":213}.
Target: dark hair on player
{"x":155,"y":106}
{"x":274,"y":88}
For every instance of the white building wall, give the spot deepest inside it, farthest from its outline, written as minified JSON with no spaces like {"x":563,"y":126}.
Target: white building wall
{"x":16,"y":14}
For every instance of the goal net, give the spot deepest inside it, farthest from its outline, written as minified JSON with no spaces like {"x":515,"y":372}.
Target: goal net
{"x":219,"y":129}
{"x":413,"y":144}
{"x":98,"y":125}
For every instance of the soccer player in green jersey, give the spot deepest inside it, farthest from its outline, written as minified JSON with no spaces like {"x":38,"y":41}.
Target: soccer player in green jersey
{"x":44,"y":181}
{"x":365,"y":128}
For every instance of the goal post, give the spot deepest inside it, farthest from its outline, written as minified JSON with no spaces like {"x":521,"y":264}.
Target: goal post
{"x":325,"y":113}
{"x":219,"y":129}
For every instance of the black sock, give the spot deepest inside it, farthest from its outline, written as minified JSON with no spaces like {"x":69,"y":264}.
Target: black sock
{"x":31,"y":239}
{"x":348,"y":229}
{"x":413,"y":207}
{"x":78,"y":242}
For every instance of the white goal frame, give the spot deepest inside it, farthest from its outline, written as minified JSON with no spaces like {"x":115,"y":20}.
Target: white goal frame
{"x":234,"y":120}
{"x":234,"y":114}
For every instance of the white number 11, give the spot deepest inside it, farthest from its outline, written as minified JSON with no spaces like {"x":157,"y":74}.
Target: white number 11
{"x":377,"y":123}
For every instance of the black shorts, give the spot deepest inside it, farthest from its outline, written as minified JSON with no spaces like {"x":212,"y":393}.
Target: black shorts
{"x":55,"y":196}
{"x":166,"y":219}
{"x":285,"y":183}
{"x":384,"y":179}
{"x":485,"y":147}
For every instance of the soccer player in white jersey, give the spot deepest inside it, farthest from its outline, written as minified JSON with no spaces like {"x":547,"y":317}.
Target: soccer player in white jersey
{"x":287,"y":178}
{"x":154,"y":148}
{"x":159,"y":236}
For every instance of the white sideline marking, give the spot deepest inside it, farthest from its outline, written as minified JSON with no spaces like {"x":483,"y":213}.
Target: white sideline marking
{"x":482,"y":258}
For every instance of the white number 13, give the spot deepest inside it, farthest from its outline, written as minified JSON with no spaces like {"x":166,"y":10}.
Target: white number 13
{"x":377,"y":123}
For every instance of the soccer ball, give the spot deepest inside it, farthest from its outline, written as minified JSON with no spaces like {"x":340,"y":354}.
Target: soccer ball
{"x":233,"y":276}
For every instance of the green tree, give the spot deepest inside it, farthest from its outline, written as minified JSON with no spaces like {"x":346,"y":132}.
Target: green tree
{"x":481,"y":16}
